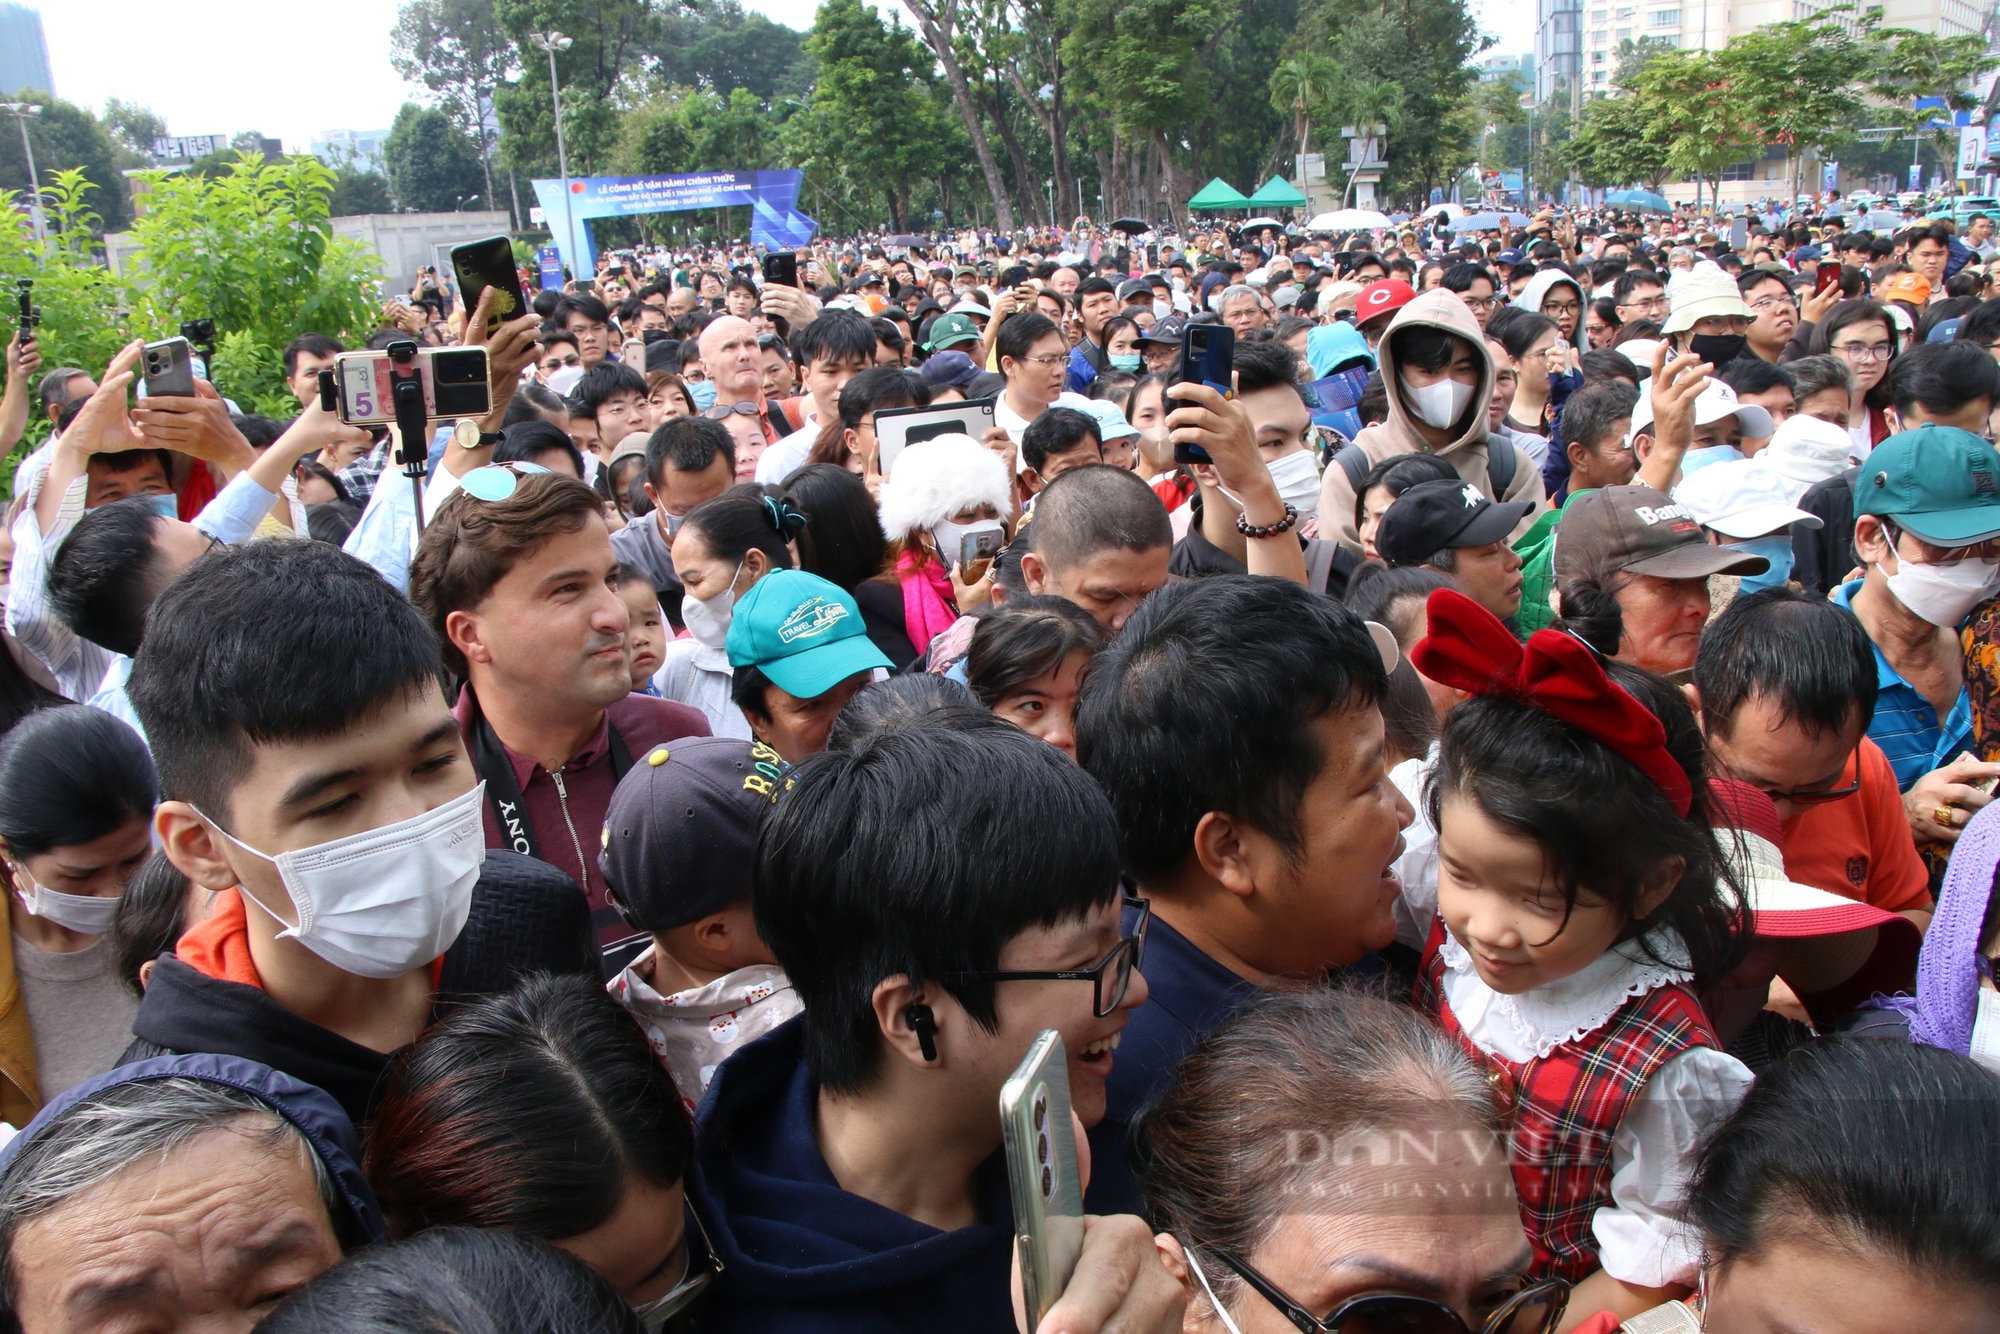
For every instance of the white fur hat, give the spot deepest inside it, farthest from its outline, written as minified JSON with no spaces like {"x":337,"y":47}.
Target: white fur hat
{"x":936,"y":478}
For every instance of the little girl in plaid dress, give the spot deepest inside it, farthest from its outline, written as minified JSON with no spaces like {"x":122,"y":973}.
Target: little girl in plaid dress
{"x":1579,"y":901}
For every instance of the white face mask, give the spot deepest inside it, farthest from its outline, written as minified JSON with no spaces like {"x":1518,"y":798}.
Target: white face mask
{"x":386,"y":901}
{"x":707,"y":619}
{"x":85,"y":914}
{"x":1297,"y":476}
{"x":1986,"y":1030}
{"x":950,"y":537}
{"x":1944,"y":595}
{"x":1439,"y":404}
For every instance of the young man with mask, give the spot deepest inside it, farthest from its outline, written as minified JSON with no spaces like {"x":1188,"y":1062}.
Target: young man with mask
{"x":688,"y":460}
{"x":1268,"y":391}
{"x":1234,"y":728}
{"x":851,"y":1173}
{"x":334,"y":815}
{"x":521,"y":591}
{"x":1439,"y":380}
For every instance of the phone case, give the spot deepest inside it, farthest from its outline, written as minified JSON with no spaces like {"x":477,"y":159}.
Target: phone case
{"x":489,"y":263}
{"x":168,"y":368}
{"x":1042,"y":1172}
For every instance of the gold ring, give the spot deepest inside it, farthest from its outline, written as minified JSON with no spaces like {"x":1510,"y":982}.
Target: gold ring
{"x":1945,"y":816}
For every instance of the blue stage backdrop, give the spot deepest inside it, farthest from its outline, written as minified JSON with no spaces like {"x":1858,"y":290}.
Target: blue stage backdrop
{"x":775,"y":222}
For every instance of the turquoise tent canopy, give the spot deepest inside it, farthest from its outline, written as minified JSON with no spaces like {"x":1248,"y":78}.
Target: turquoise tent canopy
{"x":1218,"y":194}
{"x":1278,"y":193}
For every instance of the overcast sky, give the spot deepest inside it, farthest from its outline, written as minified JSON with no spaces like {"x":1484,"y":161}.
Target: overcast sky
{"x":293,"y":71}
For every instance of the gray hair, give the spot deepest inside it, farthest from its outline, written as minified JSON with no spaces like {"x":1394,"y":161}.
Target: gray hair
{"x":1232,"y":295}
{"x":108,"y":1132}
{"x":1812,"y":375}
{"x":1338,"y":1071}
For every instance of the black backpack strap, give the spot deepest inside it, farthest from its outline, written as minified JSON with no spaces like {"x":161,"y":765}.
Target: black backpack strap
{"x":1500,"y":466}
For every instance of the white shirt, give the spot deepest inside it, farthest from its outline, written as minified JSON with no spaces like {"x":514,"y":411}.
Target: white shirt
{"x":1013,"y":423}
{"x":1653,"y":1151}
{"x":698,"y":676}
{"x":788,"y":455}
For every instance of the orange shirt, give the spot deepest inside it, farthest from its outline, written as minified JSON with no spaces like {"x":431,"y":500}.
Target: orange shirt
{"x":219,"y":947}
{"x":1860,"y":846}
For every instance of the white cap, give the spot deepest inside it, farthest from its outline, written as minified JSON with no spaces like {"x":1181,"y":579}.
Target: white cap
{"x":970,"y":307}
{"x":1740,"y":499}
{"x":1715,"y":402}
{"x":1805,"y":450}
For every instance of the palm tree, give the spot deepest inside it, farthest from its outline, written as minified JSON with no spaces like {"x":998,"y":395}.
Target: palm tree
{"x":1301,"y":86}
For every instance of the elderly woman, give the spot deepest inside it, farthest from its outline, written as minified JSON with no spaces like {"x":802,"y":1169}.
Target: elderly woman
{"x":176,"y":1195}
{"x":1372,"y":1193}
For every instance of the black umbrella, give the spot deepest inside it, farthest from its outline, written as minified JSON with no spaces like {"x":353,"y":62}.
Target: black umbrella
{"x":1132,"y":225}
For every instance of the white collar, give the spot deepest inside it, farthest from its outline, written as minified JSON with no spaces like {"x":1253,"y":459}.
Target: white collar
{"x":1535,"y":1023}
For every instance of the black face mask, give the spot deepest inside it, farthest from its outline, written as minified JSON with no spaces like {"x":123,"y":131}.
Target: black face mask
{"x":1718,"y":350}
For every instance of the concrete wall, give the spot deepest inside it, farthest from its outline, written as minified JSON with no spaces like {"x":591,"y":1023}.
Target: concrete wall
{"x":407,"y":241}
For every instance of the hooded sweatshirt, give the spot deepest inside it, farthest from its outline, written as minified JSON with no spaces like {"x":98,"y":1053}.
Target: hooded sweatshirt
{"x":1537,"y":291}
{"x":1466,"y":452}
{"x":802,"y":1256}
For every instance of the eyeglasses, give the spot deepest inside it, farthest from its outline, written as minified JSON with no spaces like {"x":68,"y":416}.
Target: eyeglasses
{"x":1866,"y":351}
{"x":1765,"y":305}
{"x":1560,"y":308}
{"x":1480,"y":302}
{"x":1820,"y":795}
{"x":1110,"y":977}
{"x":1937,"y":555}
{"x":497,"y":481}
{"x":721,"y":411}
{"x":1656,"y":305}
{"x":549,"y":363}
{"x":1535,"y":1309}
{"x":656,"y":1313}
{"x":1056,"y":360}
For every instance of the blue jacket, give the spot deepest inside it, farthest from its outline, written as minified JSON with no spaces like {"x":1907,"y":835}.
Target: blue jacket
{"x":802,"y":1256}
{"x":311,"y":1111}
{"x":1188,"y":994}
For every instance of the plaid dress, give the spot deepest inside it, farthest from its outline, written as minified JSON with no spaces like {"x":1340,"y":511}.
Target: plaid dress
{"x":1565,"y":1107}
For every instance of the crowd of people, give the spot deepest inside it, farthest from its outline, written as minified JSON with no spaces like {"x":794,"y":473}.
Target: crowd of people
{"x":1494,"y":800}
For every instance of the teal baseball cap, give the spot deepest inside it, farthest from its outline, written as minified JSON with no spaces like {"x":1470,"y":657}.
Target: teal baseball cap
{"x":1939,"y":483}
{"x":804,"y":633}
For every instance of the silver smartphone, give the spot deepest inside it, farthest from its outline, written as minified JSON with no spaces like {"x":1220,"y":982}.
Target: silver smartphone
{"x":1042,"y":1173}
{"x":168,"y":368}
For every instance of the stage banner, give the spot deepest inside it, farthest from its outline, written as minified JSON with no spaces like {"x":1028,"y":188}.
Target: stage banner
{"x":775,"y":222}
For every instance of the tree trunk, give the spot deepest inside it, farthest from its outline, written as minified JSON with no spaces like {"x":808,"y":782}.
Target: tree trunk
{"x":935,"y":20}
{"x":1026,"y":190}
{"x":479,"y":103}
{"x":1176,"y":181}
{"x":1054,"y":118}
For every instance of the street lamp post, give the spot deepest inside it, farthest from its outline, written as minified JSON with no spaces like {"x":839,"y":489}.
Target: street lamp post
{"x":21,"y":111}
{"x":553,"y":42}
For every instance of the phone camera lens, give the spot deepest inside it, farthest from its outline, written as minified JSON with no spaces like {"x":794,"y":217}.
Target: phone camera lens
{"x":1041,"y":1109}
{"x":1041,"y":1148}
{"x":1048,"y":1182}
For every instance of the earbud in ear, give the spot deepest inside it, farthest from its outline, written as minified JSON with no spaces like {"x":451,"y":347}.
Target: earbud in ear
{"x":924,"y":1024}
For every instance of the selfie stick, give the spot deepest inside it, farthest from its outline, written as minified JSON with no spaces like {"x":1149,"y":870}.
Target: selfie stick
{"x":406,"y":388}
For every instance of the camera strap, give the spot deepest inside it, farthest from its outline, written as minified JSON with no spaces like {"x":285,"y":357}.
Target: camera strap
{"x":503,"y":792}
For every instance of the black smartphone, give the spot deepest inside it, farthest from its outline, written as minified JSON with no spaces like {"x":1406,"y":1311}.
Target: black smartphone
{"x":1208,"y":356}
{"x":489,"y":263}
{"x":31,"y":314}
{"x":782,"y":268}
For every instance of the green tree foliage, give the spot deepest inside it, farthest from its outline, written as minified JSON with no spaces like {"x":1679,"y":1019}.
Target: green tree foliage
{"x":1911,"y":65}
{"x":1800,"y":83}
{"x":133,"y":129}
{"x":609,"y":39}
{"x":1699,"y":116}
{"x":254,"y":251}
{"x":356,"y":190}
{"x":697,"y":129}
{"x":66,"y":137}
{"x":432,"y":165}
{"x":79,"y":298}
{"x":720,"y":46}
{"x":456,"y":49}
{"x":1616,"y":144}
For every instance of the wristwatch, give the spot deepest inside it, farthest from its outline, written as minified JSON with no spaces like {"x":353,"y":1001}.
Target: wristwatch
{"x":467,"y":435}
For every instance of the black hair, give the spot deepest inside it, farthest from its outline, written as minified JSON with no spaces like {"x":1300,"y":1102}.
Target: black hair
{"x":1203,"y":703}
{"x":530,"y":1111}
{"x":919,"y":699}
{"x":876,"y":387}
{"x":1023,"y":640}
{"x":236,"y":655}
{"x":1966,"y":283}
{"x":1021,"y":332}
{"x":1858,"y":311}
{"x":456,"y":1280}
{"x":747,"y":685}
{"x":1590,"y":413}
{"x":1943,"y":378}
{"x":842,"y":541}
{"x":1753,"y":375}
{"x":120,"y":461}
{"x":1057,"y":431}
{"x":1601,"y":364}
{"x":580,"y":303}
{"x":1937,"y":312}
{"x":1097,"y":508}
{"x":1424,"y":347}
{"x":69,"y":775}
{"x":1883,"y":1149}
{"x":887,"y":334}
{"x":744,"y":518}
{"x":1804,"y":654}
{"x":1603,"y":826}
{"x":312,"y":345}
{"x":1111,"y":329}
{"x":1094,"y":284}
{"x":1265,"y":365}
{"x":524,"y":442}
{"x":1631,"y":281}
{"x":1373,"y":405}
{"x":152,"y":914}
{"x":689,"y":444}
{"x":1520,"y":330}
{"x":903,"y":856}
{"x":532,"y":400}
{"x":1399,"y":473}
{"x":603,"y":380}
{"x":1460,"y":277}
{"x":1982,"y":326}
{"x":107,"y":572}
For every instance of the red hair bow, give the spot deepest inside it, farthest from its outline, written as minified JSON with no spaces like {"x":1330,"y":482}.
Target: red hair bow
{"x":1469,"y":649}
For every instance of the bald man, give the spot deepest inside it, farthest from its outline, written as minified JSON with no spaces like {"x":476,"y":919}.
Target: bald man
{"x":735,"y":365}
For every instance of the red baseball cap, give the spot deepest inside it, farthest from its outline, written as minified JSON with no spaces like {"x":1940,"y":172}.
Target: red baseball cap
{"x":1385,"y":296}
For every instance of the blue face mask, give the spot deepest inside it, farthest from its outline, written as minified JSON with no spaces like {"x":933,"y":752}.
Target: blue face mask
{"x":1776,"y":548}
{"x":167,"y":505}
{"x":1124,"y":361}
{"x":704,"y":394}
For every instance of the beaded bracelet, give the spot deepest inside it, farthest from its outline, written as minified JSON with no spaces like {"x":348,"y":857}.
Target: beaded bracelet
{"x":1283,"y":525}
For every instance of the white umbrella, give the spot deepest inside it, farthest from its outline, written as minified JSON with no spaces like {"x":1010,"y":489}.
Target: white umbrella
{"x":1348,"y":220}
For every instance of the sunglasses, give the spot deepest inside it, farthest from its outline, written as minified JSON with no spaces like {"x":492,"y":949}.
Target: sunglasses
{"x":721,"y":411}
{"x":497,"y":481}
{"x":1535,"y":1309}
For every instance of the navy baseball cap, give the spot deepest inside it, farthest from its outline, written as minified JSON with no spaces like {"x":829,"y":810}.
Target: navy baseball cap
{"x":680,"y":835}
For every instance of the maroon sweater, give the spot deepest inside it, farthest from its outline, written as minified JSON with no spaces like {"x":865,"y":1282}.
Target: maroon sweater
{"x":582,"y":799}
